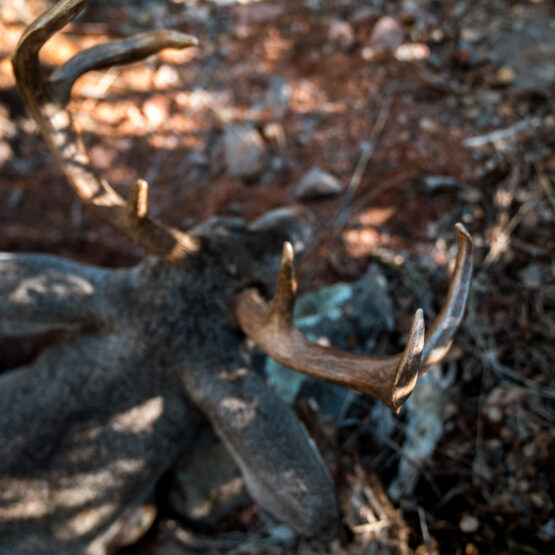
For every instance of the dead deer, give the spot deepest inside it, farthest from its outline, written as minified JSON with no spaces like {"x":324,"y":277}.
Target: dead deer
{"x":88,"y":428}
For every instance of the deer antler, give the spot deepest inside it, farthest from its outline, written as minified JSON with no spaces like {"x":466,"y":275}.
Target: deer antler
{"x":389,"y":379}
{"x":47,"y":100}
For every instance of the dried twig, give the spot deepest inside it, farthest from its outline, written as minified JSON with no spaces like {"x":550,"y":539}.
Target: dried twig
{"x":368,"y":148}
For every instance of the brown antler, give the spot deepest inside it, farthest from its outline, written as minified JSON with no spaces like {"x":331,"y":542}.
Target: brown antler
{"x":389,"y":379}
{"x":47,"y":99}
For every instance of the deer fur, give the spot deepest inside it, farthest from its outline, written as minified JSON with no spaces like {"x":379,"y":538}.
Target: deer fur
{"x":88,"y":428}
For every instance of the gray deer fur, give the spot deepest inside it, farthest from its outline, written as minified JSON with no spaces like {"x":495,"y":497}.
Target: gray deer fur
{"x":89,"y":427}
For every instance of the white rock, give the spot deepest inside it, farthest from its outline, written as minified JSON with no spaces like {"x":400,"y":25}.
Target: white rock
{"x":341,"y":34}
{"x":469,"y":524}
{"x":386,"y":35}
{"x":317,"y":183}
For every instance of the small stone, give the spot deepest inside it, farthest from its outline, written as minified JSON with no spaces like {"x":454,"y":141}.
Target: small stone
{"x":362,"y":15}
{"x":531,"y":276}
{"x":471,"y":35}
{"x":317,"y":183}
{"x":368,"y":53}
{"x":440,"y":181}
{"x":341,"y":34}
{"x":546,"y":532}
{"x":15,"y":198}
{"x":236,"y":208}
{"x":258,"y":13}
{"x":505,"y":75}
{"x":537,"y":499}
{"x":277,"y":98}
{"x":471,"y":195}
{"x":428,"y":124}
{"x":294,"y":221}
{"x":469,"y":524}
{"x":386,"y":35}
{"x":244,"y":151}
{"x":412,"y":51}
{"x":493,"y":414}
{"x":437,"y":35}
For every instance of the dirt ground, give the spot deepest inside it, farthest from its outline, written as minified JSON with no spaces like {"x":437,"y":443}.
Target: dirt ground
{"x":427,"y":113}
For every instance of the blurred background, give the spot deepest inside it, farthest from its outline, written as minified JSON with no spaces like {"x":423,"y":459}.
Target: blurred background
{"x":390,"y":121}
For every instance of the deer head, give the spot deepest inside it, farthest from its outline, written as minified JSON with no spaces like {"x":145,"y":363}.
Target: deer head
{"x":87,"y":429}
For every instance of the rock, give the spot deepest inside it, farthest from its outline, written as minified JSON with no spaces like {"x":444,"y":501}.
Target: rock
{"x":318,"y":315}
{"x":236,"y":208}
{"x":362,"y":15}
{"x":259,"y":13}
{"x":341,"y":34}
{"x":546,"y":532}
{"x":469,"y":524}
{"x":277,"y":98}
{"x":532,"y":276}
{"x":505,"y":75}
{"x":244,"y":151}
{"x":386,"y":36}
{"x":441,"y":182}
{"x":283,"y":381}
{"x":295,"y":220}
{"x":471,"y":35}
{"x":411,"y":51}
{"x":317,"y":183}
{"x":428,"y":124}
{"x":15,"y":197}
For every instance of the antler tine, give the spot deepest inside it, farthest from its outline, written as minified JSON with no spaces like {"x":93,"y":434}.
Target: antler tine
{"x":124,"y":51}
{"x":47,"y":99}
{"x":389,"y":379}
{"x":440,"y":336}
{"x":270,"y":326}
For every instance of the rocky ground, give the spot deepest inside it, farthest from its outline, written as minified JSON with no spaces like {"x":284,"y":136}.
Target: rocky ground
{"x":390,"y":121}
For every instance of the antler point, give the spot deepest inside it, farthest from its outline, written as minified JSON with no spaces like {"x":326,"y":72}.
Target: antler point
{"x":462,"y":231}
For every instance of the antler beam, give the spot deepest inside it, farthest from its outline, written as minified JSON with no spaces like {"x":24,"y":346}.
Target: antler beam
{"x":47,"y":100}
{"x":389,"y":379}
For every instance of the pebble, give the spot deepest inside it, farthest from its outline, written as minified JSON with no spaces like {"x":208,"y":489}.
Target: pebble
{"x":386,"y":35}
{"x":277,"y":98}
{"x":364,"y":14}
{"x":428,"y":124}
{"x":505,"y":75}
{"x":411,"y":51}
{"x":317,"y":183}
{"x":471,"y":35}
{"x":244,"y":151}
{"x":341,"y":34}
{"x":469,"y":524}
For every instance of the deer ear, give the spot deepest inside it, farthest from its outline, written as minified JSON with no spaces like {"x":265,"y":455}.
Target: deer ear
{"x":293,"y":224}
